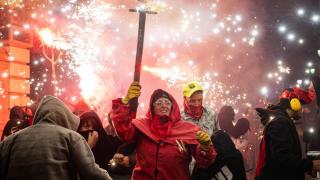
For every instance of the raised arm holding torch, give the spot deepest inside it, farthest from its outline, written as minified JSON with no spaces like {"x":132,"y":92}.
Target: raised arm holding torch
{"x":137,"y":69}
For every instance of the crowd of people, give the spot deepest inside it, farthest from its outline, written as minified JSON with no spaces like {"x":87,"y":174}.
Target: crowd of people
{"x":167,"y":143}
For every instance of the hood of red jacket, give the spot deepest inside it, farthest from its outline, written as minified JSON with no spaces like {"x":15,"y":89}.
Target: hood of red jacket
{"x":178,"y":130}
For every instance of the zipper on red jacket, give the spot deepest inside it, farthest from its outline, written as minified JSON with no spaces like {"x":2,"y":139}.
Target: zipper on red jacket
{"x":156,"y":168}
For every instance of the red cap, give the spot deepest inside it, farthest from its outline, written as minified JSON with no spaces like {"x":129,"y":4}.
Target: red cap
{"x":296,"y":92}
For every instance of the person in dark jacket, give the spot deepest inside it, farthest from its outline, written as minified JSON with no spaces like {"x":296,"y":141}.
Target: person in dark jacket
{"x":50,"y":149}
{"x":102,"y":145}
{"x":226,"y":116}
{"x":123,"y":162}
{"x":15,"y":123}
{"x":229,"y":163}
{"x":280,"y":154}
{"x":105,"y":146}
{"x":28,"y":114}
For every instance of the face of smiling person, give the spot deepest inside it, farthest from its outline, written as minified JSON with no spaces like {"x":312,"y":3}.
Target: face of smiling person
{"x":162,"y":107}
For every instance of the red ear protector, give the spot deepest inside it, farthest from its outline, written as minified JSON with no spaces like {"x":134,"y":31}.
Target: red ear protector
{"x":294,"y":102}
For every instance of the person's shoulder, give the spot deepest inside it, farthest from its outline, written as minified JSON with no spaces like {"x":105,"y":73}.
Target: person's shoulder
{"x":183,"y":113}
{"x":209,"y":111}
{"x":70,"y":132}
{"x":278,"y":120}
{"x":50,"y":127}
{"x":185,"y":116}
{"x":8,"y":139}
{"x":185,"y":124}
{"x":62,"y":131}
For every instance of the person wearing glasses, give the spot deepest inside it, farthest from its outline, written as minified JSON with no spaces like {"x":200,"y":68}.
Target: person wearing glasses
{"x":164,"y":143}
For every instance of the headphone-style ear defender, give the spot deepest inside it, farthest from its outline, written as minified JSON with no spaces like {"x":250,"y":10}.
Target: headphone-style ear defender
{"x":295,"y":104}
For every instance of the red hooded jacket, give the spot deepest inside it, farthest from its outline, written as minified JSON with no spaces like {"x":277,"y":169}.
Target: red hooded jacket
{"x":160,"y":158}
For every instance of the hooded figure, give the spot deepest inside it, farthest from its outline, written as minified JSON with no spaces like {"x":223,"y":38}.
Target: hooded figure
{"x":280,"y":155}
{"x":50,"y":149}
{"x":106,"y":145}
{"x":225,"y":118}
{"x":228,"y":164}
{"x":236,"y":129}
{"x":165,"y":143}
{"x":16,"y":112}
{"x":242,"y":127}
{"x":15,"y":123}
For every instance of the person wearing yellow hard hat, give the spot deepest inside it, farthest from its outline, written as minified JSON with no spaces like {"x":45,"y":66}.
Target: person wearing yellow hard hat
{"x":194,"y":111}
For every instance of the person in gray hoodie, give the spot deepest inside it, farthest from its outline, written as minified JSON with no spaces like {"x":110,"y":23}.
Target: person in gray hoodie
{"x":51,"y":149}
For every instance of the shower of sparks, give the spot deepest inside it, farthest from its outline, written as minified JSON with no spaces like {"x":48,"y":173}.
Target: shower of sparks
{"x":93,"y":36}
{"x":214,"y":42}
{"x":309,"y":72}
{"x":185,"y":41}
{"x":87,"y":51}
{"x":13,"y":3}
{"x":281,"y":73}
{"x":216,"y":93}
{"x":51,"y":39}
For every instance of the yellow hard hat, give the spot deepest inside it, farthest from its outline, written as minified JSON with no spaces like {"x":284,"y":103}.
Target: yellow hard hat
{"x":190,"y":88}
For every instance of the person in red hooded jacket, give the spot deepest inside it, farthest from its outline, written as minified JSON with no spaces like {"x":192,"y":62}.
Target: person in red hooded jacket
{"x":165,"y":143}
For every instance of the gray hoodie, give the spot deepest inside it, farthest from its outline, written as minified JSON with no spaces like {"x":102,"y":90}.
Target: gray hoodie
{"x":50,"y":149}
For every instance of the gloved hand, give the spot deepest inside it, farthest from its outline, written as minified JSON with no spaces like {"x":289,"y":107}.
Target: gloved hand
{"x":204,"y":139}
{"x":134,"y":91}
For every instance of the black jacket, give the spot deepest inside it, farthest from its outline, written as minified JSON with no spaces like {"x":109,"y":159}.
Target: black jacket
{"x":106,"y":146}
{"x":282,"y":152}
{"x":228,"y":159}
{"x":16,"y":121}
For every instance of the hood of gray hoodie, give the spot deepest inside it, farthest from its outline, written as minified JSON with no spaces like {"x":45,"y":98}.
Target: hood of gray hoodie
{"x":53,"y":110}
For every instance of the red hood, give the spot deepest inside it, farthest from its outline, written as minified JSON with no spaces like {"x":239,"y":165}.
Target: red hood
{"x":175,"y":112}
{"x":179,"y":129}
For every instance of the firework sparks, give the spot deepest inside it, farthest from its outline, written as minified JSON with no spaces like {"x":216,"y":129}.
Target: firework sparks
{"x":216,"y":93}
{"x":98,"y":38}
{"x":50,"y":39}
{"x":280,"y":74}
